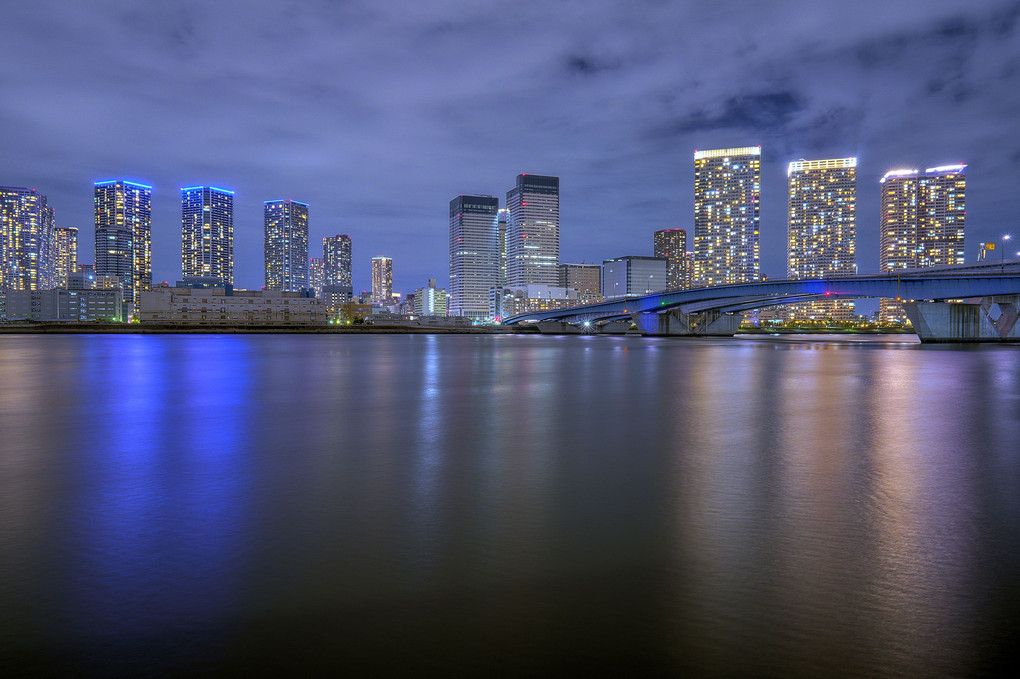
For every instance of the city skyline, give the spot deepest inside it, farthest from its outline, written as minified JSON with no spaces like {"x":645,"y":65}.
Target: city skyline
{"x":611,"y":100}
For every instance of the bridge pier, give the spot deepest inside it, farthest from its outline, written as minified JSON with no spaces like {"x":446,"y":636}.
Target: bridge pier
{"x":993,"y":319}
{"x":711,"y":323}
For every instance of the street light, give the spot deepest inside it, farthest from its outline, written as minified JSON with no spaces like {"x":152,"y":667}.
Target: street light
{"x":1002,"y":261}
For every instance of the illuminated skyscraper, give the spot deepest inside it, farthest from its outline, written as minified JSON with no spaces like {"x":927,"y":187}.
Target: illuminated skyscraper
{"x":286,"y":245}
{"x":26,"y":232}
{"x":64,"y":255}
{"x":207,"y":233}
{"x":671,"y":245}
{"x":474,"y":254}
{"x":382,"y":280}
{"x":533,"y":231}
{"x":727,"y":196}
{"x":922,"y":222}
{"x":124,"y":235}
{"x":822,"y":230}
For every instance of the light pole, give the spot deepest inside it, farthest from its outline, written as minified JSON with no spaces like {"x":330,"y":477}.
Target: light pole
{"x":1002,"y":261}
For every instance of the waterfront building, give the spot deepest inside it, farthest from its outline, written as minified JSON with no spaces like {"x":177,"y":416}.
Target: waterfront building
{"x":429,"y":301}
{"x":727,"y":197}
{"x":316,"y":275}
{"x":586,"y":279}
{"x":62,"y":304}
{"x":336,"y":254}
{"x":123,"y":212}
{"x":26,"y":233}
{"x":474,"y":254}
{"x":286,"y":245}
{"x":822,"y":230}
{"x":671,"y":245}
{"x":382,"y":280}
{"x":533,"y":231}
{"x":922,"y":223}
{"x":502,"y":218}
{"x":207,"y":233}
{"x":210,"y":305}
{"x":633,"y":275}
{"x":64,"y":255}
{"x":510,"y":300}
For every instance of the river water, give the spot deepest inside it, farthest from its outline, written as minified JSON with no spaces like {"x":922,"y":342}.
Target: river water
{"x":509,"y":505}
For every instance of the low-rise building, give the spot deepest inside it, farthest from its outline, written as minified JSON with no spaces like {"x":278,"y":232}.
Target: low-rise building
{"x":633,"y":275}
{"x":512,"y":300}
{"x":226,"y":306}
{"x":61,"y":304}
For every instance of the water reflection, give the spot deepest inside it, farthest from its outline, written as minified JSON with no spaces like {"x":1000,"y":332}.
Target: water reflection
{"x":793,"y":507}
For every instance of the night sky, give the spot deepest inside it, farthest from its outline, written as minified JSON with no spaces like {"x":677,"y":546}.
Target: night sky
{"x":378,"y":113}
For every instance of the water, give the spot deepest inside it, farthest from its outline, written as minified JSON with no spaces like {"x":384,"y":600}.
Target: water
{"x":239,"y":505}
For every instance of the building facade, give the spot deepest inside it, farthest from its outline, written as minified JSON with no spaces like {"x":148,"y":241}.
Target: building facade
{"x":533,"y":231}
{"x":316,"y":275}
{"x":822,"y":230}
{"x":430,"y":301}
{"x":519,"y":299}
{"x":123,"y":212}
{"x":382,"y":280}
{"x":633,"y":275}
{"x":671,"y":245}
{"x":26,"y":239}
{"x":474,"y":254}
{"x":60,"y":304}
{"x":586,"y":279}
{"x":921,"y":224}
{"x":286,"y":245}
{"x":222,"y":305}
{"x":64,"y":255}
{"x":502,"y":218}
{"x":207,"y":233}
{"x":336,"y":255}
{"x":727,"y":215}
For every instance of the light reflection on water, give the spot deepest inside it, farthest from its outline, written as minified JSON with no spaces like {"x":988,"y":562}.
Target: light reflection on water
{"x":508,"y":504}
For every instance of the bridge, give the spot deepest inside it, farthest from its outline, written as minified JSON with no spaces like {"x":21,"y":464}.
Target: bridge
{"x":717,"y":310}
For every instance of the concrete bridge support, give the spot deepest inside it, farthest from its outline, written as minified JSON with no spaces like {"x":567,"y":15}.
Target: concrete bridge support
{"x":993,"y":319}
{"x":711,"y":323}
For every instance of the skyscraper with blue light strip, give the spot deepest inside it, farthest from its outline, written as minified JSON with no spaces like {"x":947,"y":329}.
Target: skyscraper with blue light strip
{"x":124,"y":235}
{"x":207,"y":233}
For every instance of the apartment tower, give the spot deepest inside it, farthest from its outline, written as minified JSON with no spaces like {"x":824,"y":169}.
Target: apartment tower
{"x":727,"y":197}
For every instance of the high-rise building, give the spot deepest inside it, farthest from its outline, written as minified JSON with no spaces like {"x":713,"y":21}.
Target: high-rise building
{"x":317,"y":274}
{"x":922,"y":223}
{"x":502,"y":219}
{"x":633,"y":275}
{"x":822,"y":230}
{"x":671,"y":245}
{"x":533,"y":231}
{"x":727,"y":204}
{"x":207,"y":233}
{"x":586,"y":279}
{"x":382,"y":280}
{"x":26,"y":232}
{"x":64,"y":255}
{"x":474,"y":254}
{"x":286,"y":245}
{"x":124,"y":235}
{"x":336,"y":253}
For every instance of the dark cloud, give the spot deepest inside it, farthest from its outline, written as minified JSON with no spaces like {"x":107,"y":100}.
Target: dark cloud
{"x":378,"y":113}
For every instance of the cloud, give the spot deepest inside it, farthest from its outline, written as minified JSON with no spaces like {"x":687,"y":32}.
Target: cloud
{"x":378,"y":113}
